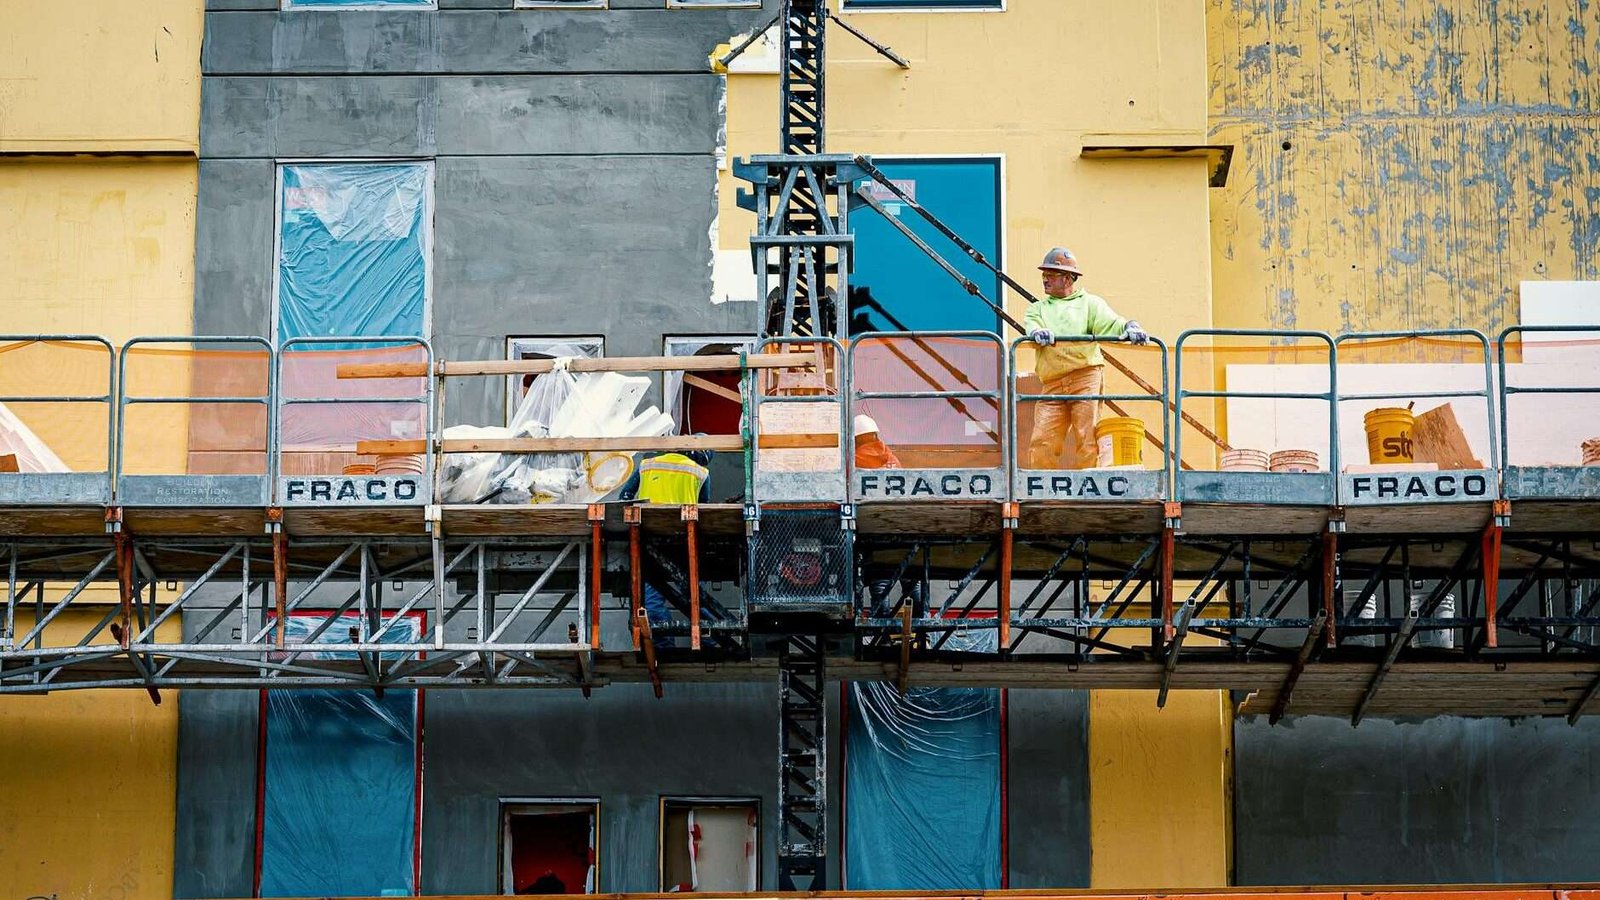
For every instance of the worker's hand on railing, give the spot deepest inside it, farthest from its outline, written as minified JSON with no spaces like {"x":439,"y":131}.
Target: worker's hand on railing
{"x":1133,"y":334}
{"x":1042,"y":337}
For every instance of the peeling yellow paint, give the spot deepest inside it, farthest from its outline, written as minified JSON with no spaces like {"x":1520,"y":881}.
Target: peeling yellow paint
{"x":1402,"y":164}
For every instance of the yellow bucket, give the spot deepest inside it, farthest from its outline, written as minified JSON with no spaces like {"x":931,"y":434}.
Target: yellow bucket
{"x":1120,"y":440}
{"x":1389,"y":435}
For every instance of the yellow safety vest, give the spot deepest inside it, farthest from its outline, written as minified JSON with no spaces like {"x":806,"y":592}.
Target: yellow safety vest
{"x":671,"y":478}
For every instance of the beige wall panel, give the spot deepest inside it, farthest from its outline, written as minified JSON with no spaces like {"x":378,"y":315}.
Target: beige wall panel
{"x":100,"y":75}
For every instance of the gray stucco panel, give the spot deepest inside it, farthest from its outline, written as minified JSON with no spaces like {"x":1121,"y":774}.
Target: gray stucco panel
{"x":622,"y":746}
{"x":1445,"y":800}
{"x":523,"y":41}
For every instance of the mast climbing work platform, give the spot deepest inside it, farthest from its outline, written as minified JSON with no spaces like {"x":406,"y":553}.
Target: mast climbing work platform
{"x":1465,"y":587}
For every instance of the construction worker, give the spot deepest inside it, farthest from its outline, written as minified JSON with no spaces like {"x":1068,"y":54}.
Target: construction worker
{"x":1070,"y":368}
{"x":871,"y":451}
{"x":674,"y":479}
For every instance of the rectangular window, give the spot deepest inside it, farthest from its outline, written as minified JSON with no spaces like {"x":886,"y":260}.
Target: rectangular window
{"x":926,"y":5}
{"x":561,"y":4}
{"x":339,"y":793}
{"x":354,"y":247}
{"x":713,"y":4}
{"x":587,"y":346}
{"x":710,"y":845}
{"x":360,"y":4}
{"x":549,"y":846}
{"x":704,"y":402}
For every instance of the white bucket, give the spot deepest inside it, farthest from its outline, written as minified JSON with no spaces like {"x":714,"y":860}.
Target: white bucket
{"x":1244,"y":461}
{"x":1294,"y":461}
{"x":1437,"y":640}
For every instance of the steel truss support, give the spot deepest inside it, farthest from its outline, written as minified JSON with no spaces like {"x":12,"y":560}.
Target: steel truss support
{"x":235,"y":613}
{"x":802,"y":764}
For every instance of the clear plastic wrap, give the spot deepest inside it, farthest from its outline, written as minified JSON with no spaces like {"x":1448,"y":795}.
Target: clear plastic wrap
{"x":558,"y":404}
{"x":340,"y":799}
{"x":352,"y":254}
{"x":922,"y":798}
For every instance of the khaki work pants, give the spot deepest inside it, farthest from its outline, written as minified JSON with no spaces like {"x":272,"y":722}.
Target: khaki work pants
{"x":1067,"y":424}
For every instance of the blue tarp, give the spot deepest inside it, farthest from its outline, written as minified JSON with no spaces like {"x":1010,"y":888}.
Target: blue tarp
{"x":341,"y":783}
{"x":352,"y":256}
{"x":922,"y":808}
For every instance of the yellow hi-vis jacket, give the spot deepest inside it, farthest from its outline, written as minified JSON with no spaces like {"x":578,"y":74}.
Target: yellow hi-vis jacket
{"x":1078,"y":314}
{"x":671,"y":478}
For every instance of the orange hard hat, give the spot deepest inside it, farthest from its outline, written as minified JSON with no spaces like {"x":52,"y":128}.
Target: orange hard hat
{"x":1060,"y":259}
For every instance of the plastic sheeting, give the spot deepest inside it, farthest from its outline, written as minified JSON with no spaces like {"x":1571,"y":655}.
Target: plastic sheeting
{"x":340,"y":805}
{"x":922,"y":803}
{"x":352,"y":257}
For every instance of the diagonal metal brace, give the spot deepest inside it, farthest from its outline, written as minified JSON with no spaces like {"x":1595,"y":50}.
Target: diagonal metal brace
{"x":1174,"y":649}
{"x":1280,"y":706}
{"x":1407,"y":626}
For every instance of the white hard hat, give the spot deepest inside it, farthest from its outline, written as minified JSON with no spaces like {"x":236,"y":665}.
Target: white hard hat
{"x":865,"y":425}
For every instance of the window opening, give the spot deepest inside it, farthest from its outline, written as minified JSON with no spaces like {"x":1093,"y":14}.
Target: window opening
{"x":710,"y":844}
{"x":591,"y":346}
{"x":549,"y":846}
{"x":704,"y":402}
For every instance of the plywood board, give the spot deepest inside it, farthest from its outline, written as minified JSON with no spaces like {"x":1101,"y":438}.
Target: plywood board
{"x":778,"y":417}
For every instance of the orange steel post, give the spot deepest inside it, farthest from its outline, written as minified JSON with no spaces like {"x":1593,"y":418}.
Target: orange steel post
{"x":123,"y":545}
{"x":641,"y":626}
{"x":597,"y":517}
{"x":1330,"y":562}
{"x":630,"y":515}
{"x":1168,"y":545}
{"x":691,"y":524}
{"x":280,"y":583}
{"x":1491,"y":576}
{"x":1008,"y":529}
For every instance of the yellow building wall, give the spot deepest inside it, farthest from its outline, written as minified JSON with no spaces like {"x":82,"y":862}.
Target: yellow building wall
{"x":96,"y":237}
{"x":1160,"y":784}
{"x":1036,"y":85}
{"x":100,"y":76}
{"x":89,"y":806}
{"x":1401,"y":165}
{"x":106,"y":247}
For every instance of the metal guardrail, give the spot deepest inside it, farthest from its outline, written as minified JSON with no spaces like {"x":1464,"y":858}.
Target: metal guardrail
{"x":71,"y":488}
{"x":962,"y":483}
{"x":822,"y":485}
{"x":1540,"y":481}
{"x":358,"y":490}
{"x":1452,"y":486}
{"x":178,"y":489}
{"x":1496,"y":394}
{"x":1307,"y":488}
{"x":1150,"y":485}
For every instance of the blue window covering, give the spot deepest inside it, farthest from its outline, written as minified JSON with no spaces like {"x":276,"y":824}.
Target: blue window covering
{"x":352,"y":250}
{"x":340,"y":804}
{"x":896,"y":286}
{"x":922,"y":4}
{"x":922,"y":804}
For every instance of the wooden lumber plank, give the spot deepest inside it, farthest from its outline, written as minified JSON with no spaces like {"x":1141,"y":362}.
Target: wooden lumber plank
{"x":728,"y":443}
{"x":712,"y":387}
{"x":1436,"y":437}
{"x":720,"y":363}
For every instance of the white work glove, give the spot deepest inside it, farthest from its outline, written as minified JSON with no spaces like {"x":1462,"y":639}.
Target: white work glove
{"x":1042,"y":337}
{"x":1133,"y":334}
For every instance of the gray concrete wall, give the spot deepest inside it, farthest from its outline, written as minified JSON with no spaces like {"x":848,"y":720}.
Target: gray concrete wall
{"x":1445,"y":800}
{"x":575,"y":154}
